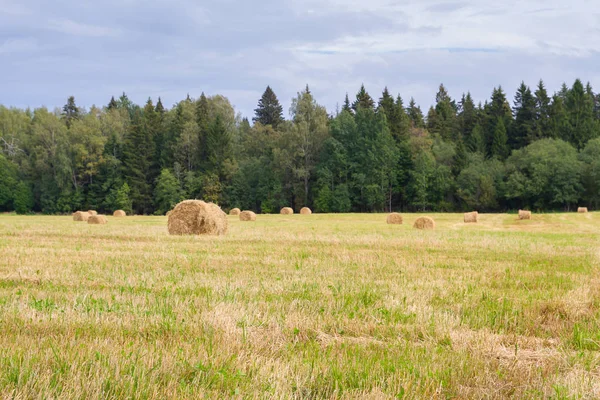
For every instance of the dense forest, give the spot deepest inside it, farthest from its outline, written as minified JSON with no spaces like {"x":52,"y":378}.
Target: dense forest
{"x":541,"y":152}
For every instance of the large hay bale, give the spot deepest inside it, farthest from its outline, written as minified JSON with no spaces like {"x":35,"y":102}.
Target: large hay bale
{"x":92,"y":212}
{"x":305,"y":211}
{"x":394,"y":219}
{"x":195,"y":217}
{"x":247,"y":216}
{"x":287,"y":211}
{"x":582,"y":210}
{"x":524,"y":214}
{"x":119,"y":213}
{"x":235,"y":211}
{"x":424,"y":223}
{"x":471,"y":217}
{"x":81,"y":216}
{"x":97,"y":220}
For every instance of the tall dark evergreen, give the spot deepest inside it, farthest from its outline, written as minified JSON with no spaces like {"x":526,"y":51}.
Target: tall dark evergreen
{"x":269,"y":111}
{"x":70,"y":111}
{"x":363,"y":100}
{"x":415,"y":114}
{"x":522,"y":131}
{"x":203,"y":120}
{"x":112,"y":104}
{"x":499,"y":147}
{"x":347,"y":107}
{"x":542,"y":127}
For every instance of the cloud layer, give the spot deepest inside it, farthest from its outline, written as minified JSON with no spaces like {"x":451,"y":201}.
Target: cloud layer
{"x":92,"y":50}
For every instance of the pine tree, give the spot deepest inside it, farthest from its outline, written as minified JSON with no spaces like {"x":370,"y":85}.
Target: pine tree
{"x":269,"y":111}
{"x":70,"y":111}
{"x":386,"y":103}
{"x":580,"y":111}
{"x":218,"y":147}
{"x":522,"y":131}
{"x":497,"y":109}
{"x":363,"y":100}
{"x":499,"y":148}
{"x":399,"y":123}
{"x":444,"y":123}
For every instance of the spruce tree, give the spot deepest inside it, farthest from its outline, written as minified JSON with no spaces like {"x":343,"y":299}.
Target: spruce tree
{"x":460,"y":159}
{"x":467,"y":117}
{"x":363,"y":100}
{"x":415,"y":115}
{"x":347,"y":107}
{"x":202,"y":119}
{"x":523,"y":129}
{"x":542,"y":112}
{"x":386,"y":103}
{"x":112,"y":104}
{"x":70,"y":111}
{"x":499,"y":148}
{"x":269,"y":111}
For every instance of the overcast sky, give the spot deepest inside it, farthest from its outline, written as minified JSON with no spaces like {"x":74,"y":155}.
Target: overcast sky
{"x":94,"y":49}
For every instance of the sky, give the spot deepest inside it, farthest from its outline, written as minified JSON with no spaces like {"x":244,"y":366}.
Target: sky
{"x":92,"y":50}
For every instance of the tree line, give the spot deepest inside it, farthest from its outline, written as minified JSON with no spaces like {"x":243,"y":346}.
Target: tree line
{"x":538,"y":151}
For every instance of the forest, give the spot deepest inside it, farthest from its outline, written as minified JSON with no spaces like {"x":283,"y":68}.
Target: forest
{"x":536,"y":151}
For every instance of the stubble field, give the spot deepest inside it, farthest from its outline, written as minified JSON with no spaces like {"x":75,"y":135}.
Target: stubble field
{"x":305,"y":307}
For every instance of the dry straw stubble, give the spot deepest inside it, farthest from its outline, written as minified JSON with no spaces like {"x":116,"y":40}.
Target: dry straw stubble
{"x":97,"y":220}
{"x":195,"y":217}
{"x":523,"y":214}
{"x":81,"y":216}
{"x":247,"y":216}
{"x":394,"y":219}
{"x":471,"y":217}
{"x":424,"y":223}
{"x":287,"y":211}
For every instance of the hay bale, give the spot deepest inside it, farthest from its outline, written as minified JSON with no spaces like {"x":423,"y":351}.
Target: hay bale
{"x":394,"y":219}
{"x":195,"y":217}
{"x":81,"y":216}
{"x":247,"y":216}
{"x":424,"y":223}
{"x":305,"y":211}
{"x":119,"y":213}
{"x":92,"y":212}
{"x":235,"y":211}
{"x":471,"y":217}
{"x":524,"y":214}
{"x":97,"y":220}
{"x":287,"y":211}
{"x":582,"y":210}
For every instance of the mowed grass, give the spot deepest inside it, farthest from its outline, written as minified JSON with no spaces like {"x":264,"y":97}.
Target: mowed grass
{"x":305,"y":307}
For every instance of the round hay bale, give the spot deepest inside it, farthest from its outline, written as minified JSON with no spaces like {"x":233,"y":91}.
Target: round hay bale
{"x":524,"y":214}
{"x":424,"y":223}
{"x":394,"y":219}
{"x":119,"y":213}
{"x":247,"y":216}
{"x":195,"y":217}
{"x":81,"y":216}
{"x":287,"y":211}
{"x":471,"y":217}
{"x":305,"y":211}
{"x":168,"y":213}
{"x":97,"y":220}
{"x":582,"y":210}
{"x":92,"y":212}
{"x":235,"y":211}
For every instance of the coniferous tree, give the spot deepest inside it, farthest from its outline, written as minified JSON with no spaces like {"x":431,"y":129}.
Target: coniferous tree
{"x":542,"y":127}
{"x":460,"y":159}
{"x":363,"y":100}
{"x":467,"y":117}
{"x":70,"y":111}
{"x":415,"y":114}
{"x":112,"y":104}
{"x":444,"y":122}
{"x":347,"y":107}
{"x":269,"y":111}
{"x":499,"y":148}
{"x":580,"y":111}
{"x":523,"y":129}
{"x":202,"y":120}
